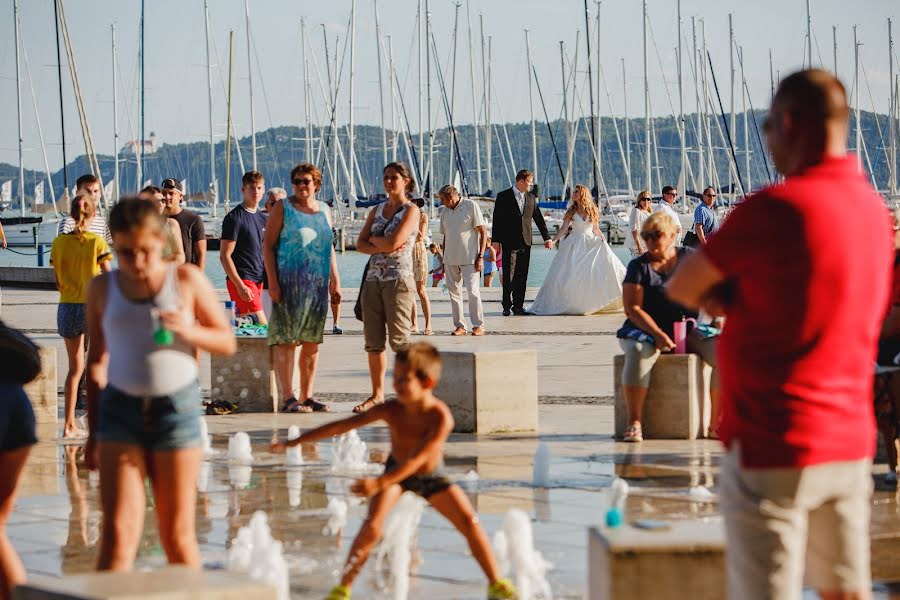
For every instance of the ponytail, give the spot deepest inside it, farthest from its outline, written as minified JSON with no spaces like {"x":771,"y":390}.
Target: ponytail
{"x":81,"y":211}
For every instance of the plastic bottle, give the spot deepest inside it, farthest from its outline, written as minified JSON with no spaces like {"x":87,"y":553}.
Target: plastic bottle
{"x":161,"y":335}
{"x":615,"y":515}
{"x":230,"y":314}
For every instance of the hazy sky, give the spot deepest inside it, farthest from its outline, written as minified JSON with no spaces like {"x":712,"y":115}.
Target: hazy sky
{"x":176,"y":83}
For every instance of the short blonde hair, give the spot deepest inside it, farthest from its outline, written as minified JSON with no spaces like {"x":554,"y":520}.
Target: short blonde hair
{"x":660,"y":221}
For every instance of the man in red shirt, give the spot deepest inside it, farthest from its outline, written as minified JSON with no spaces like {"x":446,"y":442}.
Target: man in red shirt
{"x":797,"y":355}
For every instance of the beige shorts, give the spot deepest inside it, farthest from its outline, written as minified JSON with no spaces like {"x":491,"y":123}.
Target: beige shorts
{"x":387,"y":308}
{"x":784,"y":523}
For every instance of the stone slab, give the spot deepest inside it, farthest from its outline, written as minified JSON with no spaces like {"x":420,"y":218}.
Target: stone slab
{"x":28,"y":277}
{"x":684,"y":562}
{"x":677,"y":405}
{"x":247,"y":378}
{"x":170,"y":583}
{"x":490,"y":392}
{"x":43,"y":390}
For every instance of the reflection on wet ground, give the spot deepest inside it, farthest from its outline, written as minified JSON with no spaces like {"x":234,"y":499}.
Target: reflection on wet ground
{"x":55,"y":525}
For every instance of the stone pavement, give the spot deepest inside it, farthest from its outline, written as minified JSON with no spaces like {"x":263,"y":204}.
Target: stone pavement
{"x":55,"y":524}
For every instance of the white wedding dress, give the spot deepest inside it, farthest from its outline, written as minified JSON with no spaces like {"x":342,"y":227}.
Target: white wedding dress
{"x":584,"y":278}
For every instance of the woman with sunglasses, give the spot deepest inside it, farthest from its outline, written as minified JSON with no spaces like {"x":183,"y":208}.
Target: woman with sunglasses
{"x":648,"y":328}
{"x":642,"y":209}
{"x":302,"y":271}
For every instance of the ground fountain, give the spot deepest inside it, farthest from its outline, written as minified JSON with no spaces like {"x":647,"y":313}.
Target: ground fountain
{"x":516,"y":554}
{"x":256,"y":553}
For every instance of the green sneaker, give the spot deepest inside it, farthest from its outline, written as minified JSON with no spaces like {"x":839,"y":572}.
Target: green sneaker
{"x":502,"y":589}
{"x":339,"y":592}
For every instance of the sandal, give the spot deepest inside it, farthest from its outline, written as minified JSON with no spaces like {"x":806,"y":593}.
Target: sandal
{"x":428,"y":331}
{"x":315,"y":406}
{"x":292,"y":405}
{"x":370,"y":403}
{"x":634,"y":433}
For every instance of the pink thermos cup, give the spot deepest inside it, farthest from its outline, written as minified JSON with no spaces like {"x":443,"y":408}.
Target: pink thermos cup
{"x":679,"y":329}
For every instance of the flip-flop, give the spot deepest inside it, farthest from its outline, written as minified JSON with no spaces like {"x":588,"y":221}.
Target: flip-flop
{"x":292,"y":405}
{"x":316,"y":406}
{"x":369,"y":403}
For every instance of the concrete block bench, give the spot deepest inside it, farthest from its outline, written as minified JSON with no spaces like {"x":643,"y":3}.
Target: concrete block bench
{"x":43,"y":391}
{"x":248,"y":378}
{"x":490,"y":392}
{"x":686,"y":562}
{"x":677,"y":405}
{"x":169,"y":583}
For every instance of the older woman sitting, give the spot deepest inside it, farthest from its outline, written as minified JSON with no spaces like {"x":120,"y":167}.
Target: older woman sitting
{"x":650,"y":317}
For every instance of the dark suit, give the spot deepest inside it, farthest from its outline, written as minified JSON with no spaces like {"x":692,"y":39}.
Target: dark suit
{"x":512,"y":230}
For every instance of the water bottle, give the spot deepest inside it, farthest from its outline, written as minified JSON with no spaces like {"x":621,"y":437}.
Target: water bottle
{"x":615,"y":515}
{"x":161,"y":335}
{"x":230,"y":314}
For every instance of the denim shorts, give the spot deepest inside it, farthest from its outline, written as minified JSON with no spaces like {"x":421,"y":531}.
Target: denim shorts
{"x":16,"y":418}
{"x":70,"y":320}
{"x":153,"y":423}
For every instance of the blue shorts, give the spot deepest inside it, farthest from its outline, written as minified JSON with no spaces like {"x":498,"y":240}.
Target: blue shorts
{"x":70,"y":320}
{"x":16,"y":418}
{"x":153,"y":423}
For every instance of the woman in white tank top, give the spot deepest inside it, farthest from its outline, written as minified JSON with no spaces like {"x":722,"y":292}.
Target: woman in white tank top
{"x":146,"y":322}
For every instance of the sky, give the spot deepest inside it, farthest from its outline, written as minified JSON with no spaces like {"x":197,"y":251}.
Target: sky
{"x":176,"y":75}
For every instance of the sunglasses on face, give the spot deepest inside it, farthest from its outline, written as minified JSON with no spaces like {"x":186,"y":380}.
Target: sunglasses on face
{"x":647,"y":198}
{"x":648,"y":236}
{"x":710,"y":195}
{"x":669,"y":194}
{"x":304,"y":181}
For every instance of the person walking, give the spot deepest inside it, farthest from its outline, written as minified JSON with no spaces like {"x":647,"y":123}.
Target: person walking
{"x":174,"y":250}
{"x":665,"y":204}
{"x":303,"y":278}
{"x":706,"y":222}
{"x":147,"y":321}
{"x":87,"y":186}
{"x":420,"y":269}
{"x":797,"y":354}
{"x":636,"y":219}
{"x":514,"y":211}
{"x":77,"y":257}
{"x":275,"y":195}
{"x":465,"y":239}
{"x":388,"y":292}
{"x":490,"y":263}
{"x":241,"y":248}
{"x":193,"y":236}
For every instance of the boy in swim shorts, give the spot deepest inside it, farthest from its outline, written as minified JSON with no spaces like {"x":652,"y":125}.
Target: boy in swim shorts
{"x":419,"y":425}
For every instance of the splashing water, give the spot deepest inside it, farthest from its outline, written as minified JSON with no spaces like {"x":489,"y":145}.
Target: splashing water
{"x":207,"y":438}
{"x":203,"y":477}
{"x":541,"y":471}
{"x":294,"y":486}
{"x":293,"y":456}
{"x":337,"y":516}
{"x":701,"y":494}
{"x":348,"y":454}
{"x":239,"y":450}
{"x":257,"y":554}
{"x":394,"y":553}
{"x":515,"y":551}
{"x":239,"y":476}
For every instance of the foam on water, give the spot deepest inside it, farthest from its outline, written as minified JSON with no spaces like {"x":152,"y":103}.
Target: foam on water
{"x":293,"y":456}
{"x":294,"y":486}
{"x":239,"y":476}
{"x":348,"y":455}
{"x":207,"y":438}
{"x":700,"y":493}
{"x":515,"y":551}
{"x":239,"y":450}
{"x":203,"y":477}
{"x":541,"y":471}
{"x":337,"y":516}
{"x":257,"y":554}
{"x":394,"y":553}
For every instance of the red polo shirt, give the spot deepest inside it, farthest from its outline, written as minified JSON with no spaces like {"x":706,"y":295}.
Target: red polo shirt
{"x":809,"y":262}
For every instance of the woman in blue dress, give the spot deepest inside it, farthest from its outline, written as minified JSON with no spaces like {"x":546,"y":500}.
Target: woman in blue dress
{"x":303,"y":281}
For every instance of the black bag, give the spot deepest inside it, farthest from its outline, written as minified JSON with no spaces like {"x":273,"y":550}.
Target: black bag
{"x":20,"y":361}
{"x":357,"y":308}
{"x":690,"y":240}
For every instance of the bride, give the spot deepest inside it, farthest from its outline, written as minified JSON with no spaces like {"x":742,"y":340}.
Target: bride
{"x":585,"y":276}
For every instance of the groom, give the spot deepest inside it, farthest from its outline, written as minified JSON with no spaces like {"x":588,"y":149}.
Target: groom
{"x":514,"y":211}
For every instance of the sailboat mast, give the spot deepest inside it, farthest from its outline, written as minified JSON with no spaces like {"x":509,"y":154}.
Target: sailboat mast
{"x":474,"y":100}
{"x":62,"y":113}
{"x":598,"y":134}
{"x":228,"y":126}
{"x":430,"y":163}
{"x":562,"y":64}
{"x":139,"y":183}
{"x":808,"y":37}
{"x":250,"y":84}
{"x":531,"y":108}
{"x":384,"y":159}
{"x":213,"y":192}
{"x":486,"y":95}
{"x":112,"y":28}
{"x":452,"y":137}
{"x":771,"y":78}
{"x":587,"y":39}
{"x":834,"y":45}
{"x":627,"y":129}
{"x":683,"y":159}
{"x":748,"y":186}
{"x":394,"y":134}
{"x":891,"y":130}
{"x":731,"y":120}
{"x":307,"y":95}
{"x":647,"y":171}
{"x":350,"y":135}
{"x":858,"y":140}
{"x":21,"y":190}
{"x":421,"y":93}
{"x":488,"y":85}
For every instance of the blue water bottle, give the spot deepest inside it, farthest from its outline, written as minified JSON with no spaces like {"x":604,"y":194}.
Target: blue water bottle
{"x":230,"y":314}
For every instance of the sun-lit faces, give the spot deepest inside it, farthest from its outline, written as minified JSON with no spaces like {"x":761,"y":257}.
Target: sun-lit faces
{"x":394,"y":183}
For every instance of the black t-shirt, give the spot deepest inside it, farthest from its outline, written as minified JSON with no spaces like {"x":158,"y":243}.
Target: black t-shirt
{"x":246,"y":229}
{"x":191,"y":226}
{"x":656,"y":303}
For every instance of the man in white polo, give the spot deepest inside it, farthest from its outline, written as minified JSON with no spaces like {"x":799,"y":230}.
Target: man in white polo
{"x":669,"y":195}
{"x":465,"y":239}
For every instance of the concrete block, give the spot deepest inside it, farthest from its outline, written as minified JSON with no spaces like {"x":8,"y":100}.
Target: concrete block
{"x":169,"y":583}
{"x":247,"y":378}
{"x":490,"y":391}
{"x":681,"y":563}
{"x":41,"y":278}
{"x":677,"y":405}
{"x":43,"y":390}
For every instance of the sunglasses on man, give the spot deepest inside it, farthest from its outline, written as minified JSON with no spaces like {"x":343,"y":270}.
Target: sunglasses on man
{"x":648,"y":236}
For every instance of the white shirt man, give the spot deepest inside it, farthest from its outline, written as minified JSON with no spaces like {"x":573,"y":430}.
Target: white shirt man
{"x":665,"y":205}
{"x":465,"y":238}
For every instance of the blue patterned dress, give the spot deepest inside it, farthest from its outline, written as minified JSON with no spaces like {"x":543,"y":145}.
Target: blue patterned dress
{"x":304,"y":267}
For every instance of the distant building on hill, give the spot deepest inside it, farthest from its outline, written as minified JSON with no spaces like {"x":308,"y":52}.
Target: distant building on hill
{"x":131,"y":147}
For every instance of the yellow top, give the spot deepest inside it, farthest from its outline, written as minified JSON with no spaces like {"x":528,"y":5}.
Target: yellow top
{"x":76,"y":262}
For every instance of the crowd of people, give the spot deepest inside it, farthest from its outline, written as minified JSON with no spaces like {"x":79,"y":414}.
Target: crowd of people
{"x":789,"y":321}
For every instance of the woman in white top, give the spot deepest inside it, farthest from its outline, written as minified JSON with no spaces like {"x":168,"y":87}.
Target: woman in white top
{"x":146,"y":322}
{"x":636,"y":219}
